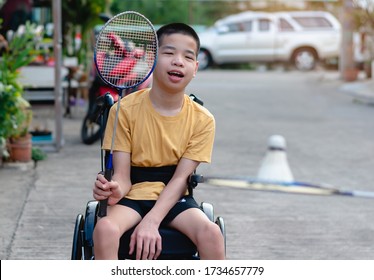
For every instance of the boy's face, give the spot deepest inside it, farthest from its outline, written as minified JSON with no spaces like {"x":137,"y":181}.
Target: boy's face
{"x":177,"y":63}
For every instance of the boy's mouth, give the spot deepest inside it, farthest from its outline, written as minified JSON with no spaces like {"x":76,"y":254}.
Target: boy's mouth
{"x":176,"y":74}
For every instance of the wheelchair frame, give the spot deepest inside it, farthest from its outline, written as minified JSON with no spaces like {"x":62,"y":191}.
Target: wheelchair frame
{"x":179,"y":247}
{"x":175,"y":245}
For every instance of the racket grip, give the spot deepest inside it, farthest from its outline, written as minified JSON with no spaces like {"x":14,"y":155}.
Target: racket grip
{"x":103,"y":204}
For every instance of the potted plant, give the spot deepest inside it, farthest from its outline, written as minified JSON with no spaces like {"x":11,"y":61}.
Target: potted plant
{"x":20,"y":141}
{"x":37,"y":155}
{"x":15,"y":116}
{"x":15,"y":111}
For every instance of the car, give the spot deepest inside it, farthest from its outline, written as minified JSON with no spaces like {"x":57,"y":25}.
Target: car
{"x":301,"y":38}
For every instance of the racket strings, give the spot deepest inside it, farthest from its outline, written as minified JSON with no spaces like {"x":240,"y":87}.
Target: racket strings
{"x":126,"y":50}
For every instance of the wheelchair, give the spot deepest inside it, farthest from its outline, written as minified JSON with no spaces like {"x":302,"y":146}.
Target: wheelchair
{"x":175,"y":245}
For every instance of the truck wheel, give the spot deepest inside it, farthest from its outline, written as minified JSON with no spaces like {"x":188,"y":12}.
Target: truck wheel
{"x":304,"y":59}
{"x":205,"y":59}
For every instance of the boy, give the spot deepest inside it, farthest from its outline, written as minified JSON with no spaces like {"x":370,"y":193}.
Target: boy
{"x":158,"y":127}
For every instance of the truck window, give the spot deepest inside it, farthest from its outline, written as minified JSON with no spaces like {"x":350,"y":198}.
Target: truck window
{"x":263,"y":25}
{"x":247,"y":26}
{"x":284,"y":25}
{"x":313,"y":22}
{"x":234,"y":27}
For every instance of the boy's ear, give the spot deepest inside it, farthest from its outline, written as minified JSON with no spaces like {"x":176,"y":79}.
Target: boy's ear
{"x":196,"y":68}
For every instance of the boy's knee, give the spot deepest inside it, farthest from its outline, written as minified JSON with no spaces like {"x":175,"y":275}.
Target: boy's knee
{"x":105,"y":228}
{"x":216,"y":231}
{"x":211,"y":233}
{"x":211,"y":244}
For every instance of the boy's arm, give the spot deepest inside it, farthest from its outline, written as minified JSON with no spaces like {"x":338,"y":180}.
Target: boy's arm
{"x":120,"y":185}
{"x":122,"y":166}
{"x":146,"y":236}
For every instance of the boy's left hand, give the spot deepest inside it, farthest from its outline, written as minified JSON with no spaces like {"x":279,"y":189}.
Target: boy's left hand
{"x":146,"y":241}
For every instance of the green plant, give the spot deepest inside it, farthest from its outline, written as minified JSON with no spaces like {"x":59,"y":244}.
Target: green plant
{"x":15,"y":113}
{"x":23,"y":119}
{"x":37,"y":155}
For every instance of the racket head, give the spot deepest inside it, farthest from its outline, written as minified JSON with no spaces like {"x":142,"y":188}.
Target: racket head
{"x":126,"y":50}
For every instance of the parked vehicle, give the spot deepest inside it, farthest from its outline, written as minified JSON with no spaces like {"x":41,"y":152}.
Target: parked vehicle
{"x":100,"y":93}
{"x":301,"y":38}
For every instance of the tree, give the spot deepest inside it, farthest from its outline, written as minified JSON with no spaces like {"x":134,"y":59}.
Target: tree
{"x":364,"y":14}
{"x":188,"y":11}
{"x":79,"y":18}
{"x":363,"y":18}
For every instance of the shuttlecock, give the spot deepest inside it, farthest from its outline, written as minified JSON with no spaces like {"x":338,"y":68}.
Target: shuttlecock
{"x":274,"y":166}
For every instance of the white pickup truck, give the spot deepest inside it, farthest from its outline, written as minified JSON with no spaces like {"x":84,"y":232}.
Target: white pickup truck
{"x":300,"y":38}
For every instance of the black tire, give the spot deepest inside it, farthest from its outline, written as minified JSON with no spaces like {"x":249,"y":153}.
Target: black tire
{"x":89,"y":225}
{"x":76,"y":251}
{"x":90,"y":131}
{"x":305,"y":59}
{"x":221,"y":223}
{"x":205,"y":59}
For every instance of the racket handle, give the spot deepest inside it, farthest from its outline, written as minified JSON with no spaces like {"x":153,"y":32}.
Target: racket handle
{"x":103,"y":204}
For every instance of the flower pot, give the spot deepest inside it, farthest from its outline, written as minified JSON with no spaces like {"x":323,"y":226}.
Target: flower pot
{"x":350,"y":75}
{"x":20,"y":148}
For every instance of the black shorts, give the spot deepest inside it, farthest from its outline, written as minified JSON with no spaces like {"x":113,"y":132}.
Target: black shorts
{"x":144,"y":206}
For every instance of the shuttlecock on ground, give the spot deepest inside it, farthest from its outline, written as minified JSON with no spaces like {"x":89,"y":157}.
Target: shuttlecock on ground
{"x":274,"y":166}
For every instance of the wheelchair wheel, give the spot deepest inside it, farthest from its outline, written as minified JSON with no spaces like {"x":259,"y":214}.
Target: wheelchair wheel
{"x":208,"y":210}
{"x":221,"y":223}
{"x":77,"y":248}
{"x":89,"y":225}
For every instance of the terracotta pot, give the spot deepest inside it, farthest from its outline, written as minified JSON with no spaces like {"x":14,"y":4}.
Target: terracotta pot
{"x":350,"y":75}
{"x":20,"y":148}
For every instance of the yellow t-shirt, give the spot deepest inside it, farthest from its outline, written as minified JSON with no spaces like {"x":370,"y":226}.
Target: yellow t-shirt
{"x":155,"y":140}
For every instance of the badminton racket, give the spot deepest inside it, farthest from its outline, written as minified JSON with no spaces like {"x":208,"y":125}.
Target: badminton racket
{"x":125,"y":56}
{"x":283,"y":187}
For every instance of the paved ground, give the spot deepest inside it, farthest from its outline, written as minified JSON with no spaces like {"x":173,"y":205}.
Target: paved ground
{"x":39,"y":205}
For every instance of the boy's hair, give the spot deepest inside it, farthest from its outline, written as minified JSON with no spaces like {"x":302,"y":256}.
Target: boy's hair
{"x":178,"y":28}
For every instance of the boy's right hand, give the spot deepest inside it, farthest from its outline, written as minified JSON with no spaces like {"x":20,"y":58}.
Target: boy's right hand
{"x":103,"y":189}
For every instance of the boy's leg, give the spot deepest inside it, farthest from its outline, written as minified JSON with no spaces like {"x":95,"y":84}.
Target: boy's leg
{"x":205,"y":234}
{"x":109,"y":229}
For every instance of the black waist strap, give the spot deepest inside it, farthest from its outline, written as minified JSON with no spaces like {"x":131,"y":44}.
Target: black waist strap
{"x":152,"y":174}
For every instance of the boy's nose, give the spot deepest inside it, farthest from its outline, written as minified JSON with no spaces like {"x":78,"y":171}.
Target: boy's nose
{"x":177,"y":61}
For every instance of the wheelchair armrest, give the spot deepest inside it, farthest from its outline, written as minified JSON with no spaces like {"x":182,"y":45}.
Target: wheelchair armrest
{"x":196,"y":99}
{"x":193,"y":180}
{"x":103,"y":104}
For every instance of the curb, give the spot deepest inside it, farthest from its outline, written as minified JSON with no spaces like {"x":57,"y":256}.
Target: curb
{"x":22,"y":166}
{"x":360,"y":91}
